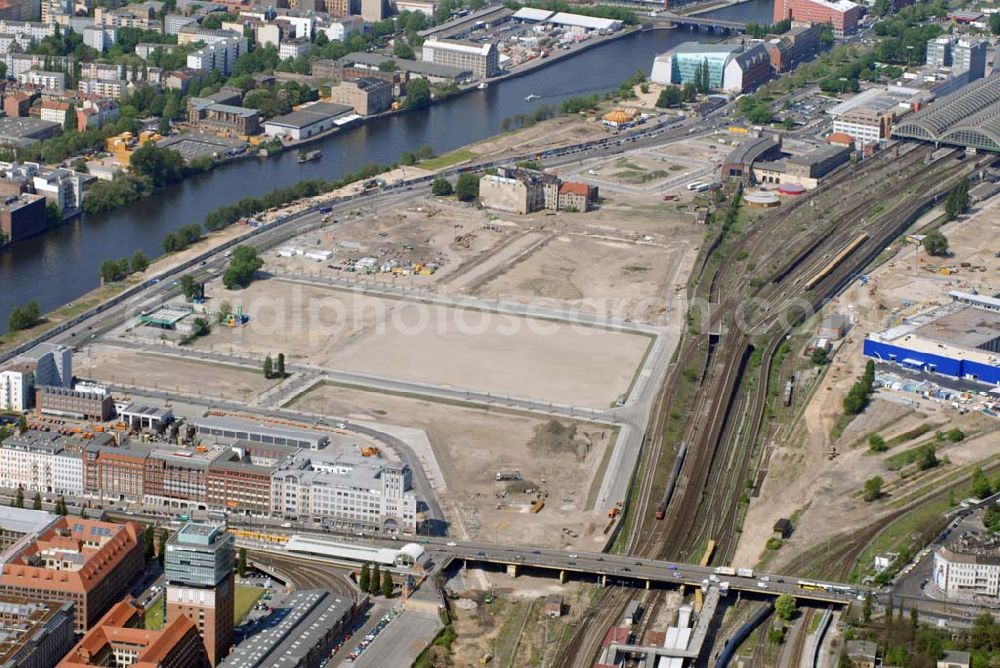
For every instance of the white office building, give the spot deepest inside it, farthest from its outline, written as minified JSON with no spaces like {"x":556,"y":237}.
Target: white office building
{"x":15,"y":387}
{"x":53,"y":364}
{"x":346,"y":491}
{"x":344,"y":27}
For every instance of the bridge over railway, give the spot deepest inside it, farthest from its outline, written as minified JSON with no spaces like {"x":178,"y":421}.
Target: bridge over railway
{"x":602,"y":567}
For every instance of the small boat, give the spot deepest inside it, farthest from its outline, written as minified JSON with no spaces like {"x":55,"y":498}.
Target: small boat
{"x":483,"y":86}
{"x":306,"y":156}
{"x":532,"y":97}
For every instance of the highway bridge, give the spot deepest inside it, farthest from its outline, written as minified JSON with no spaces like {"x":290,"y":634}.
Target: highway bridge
{"x":668,"y":19}
{"x":618,"y":569}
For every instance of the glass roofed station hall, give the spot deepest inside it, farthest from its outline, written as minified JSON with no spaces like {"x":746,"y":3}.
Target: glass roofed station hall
{"x":969,"y":117}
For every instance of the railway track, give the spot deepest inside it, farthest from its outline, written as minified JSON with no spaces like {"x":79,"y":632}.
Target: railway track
{"x":727,"y":423}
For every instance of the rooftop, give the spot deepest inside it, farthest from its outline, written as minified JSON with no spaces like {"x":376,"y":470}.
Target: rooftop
{"x":969,"y":117}
{"x":303,"y":615}
{"x":966,"y":328}
{"x":314,"y":113}
{"x":25,"y":622}
{"x":240,"y":429}
{"x":373,"y":60}
{"x":699,"y":47}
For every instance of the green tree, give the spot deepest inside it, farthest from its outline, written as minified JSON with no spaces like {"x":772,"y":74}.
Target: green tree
{"x":69,"y":123}
{"x":279,"y":368}
{"x":866,"y":609}
{"x":785,"y":607}
{"x":418,"y":94}
{"x":149,"y":542}
{"x":24,"y":317}
{"x":83,"y":512}
{"x":22,"y":424}
{"x":242,"y":267}
{"x":995,"y":23}
{"x":843,"y":660}
{"x":161,"y":549}
{"x":955,"y":435}
{"x":200,"y":327}
{"x":403,"y":50}
{"x":61,"y":508}
{"x":958,"y":200}
{"x":927,"y":458}
{"x":268,"y":367}
{"x":19,"y":498}
{"x":877,"y":444}
{"x":387,"y":584}
{"x":441,"y":187}
{"x":53,"y":214}
{"x":819,"y":356}
{"x":873,"y":489}
{"x":113,"y":271}
{"x":467,"y":188}
{"x":376,"y":581}
{"x":161,"y":166}
{"x":191,"y":289}
{"x":981,"y":487}
{"x":36,"y":503}
{"x":364,"y":580}
{"x":936,"y":243}
{"x":241,"y":562}
{"x":776,"y":636}
{"x":670,"y":96}
{"x":139,"y":262}
{"x":882,"y":7}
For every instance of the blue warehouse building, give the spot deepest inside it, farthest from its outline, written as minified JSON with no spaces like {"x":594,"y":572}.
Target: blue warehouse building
{"x":961,"y":340}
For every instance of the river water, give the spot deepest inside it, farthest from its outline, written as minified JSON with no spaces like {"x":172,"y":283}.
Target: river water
{"x":63,"y":264}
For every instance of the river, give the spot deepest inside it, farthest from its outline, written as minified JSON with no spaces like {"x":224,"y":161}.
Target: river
{"x":61,"y":265}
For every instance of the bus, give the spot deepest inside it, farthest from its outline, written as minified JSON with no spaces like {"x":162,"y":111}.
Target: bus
{"x":694,"y":185}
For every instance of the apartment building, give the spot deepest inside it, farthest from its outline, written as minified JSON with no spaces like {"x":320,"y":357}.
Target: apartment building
{"x":220,"y":55}
{"x":240,"y":482}
{"x":67,"y":469}
{"x":88,"y":562}
{"x":346,"y":491}
{"x":120,"y":638}
{"x":112,"y":89}
{"x":227,"y":120}
{"x":482,"y":59}
{"x":178,"y":476}
{"x":64,"y":188}
{"x":16,"y":382}
{"x":48,"y":80}
{"x":26,"y":461}
{"x":842,"y":15}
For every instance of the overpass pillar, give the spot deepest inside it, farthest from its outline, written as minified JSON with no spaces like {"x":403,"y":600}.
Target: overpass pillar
{"x":604,"y":580}
{"x":562,"y":577}
{"x":512,"y":570}
{"x":648,"y":584}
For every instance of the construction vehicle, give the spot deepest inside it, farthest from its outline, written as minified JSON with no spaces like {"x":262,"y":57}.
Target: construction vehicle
{"x":616,"y":511}
{"x":537,"y":505}
{"x":370,"y":451}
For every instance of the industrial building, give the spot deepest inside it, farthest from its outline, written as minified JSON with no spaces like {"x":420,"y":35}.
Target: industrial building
{"x":223,"y":116}
{"x":868,"y":117}
{"x":309,"y":623}
{"x":482,"y":59}
{"x":177,"y":476}
{"x":960,"y":339}
{"x":88,"y":562}
{"x":366,"y":95}
{"x":198,"y":570}
{"x":77,"y":404}
{"x":965,"y":117}
{"x":741,"y":160}
{"x":309,"y":121}
{"x":805,"y":169}
{"x":345,"y":491}
{"x":23,"y":215}
{"x":241,"y":482}
{"x":113,"y":472}
{"x":235,"y":429}
{"x":409,"y":556}
{"x":362,"y":64}
{"x":121,"y":638}
{"x":842,"y":15}
{"x":35,"y":634}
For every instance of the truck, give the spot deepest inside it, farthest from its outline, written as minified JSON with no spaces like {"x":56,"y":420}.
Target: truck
{"x":745,"y":572}
{"x":724,"y":588}
{"x":725,"y":570}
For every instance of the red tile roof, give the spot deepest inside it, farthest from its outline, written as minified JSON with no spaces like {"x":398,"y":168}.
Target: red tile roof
{"x":574,"y":188}
{"x":840,"y":138}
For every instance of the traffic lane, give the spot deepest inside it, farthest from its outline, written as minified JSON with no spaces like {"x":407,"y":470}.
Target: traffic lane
{"x":361,"y":627}
{"x":401,"y":641}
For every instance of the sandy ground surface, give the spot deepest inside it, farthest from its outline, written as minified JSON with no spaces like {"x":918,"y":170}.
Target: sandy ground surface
{"x":161,"y":372}
{"x":505,"y":355}
{"x":800,"y":478}
{"x":470,"y":445}
{"x":606,"y":275}
{"x":554,"y":132}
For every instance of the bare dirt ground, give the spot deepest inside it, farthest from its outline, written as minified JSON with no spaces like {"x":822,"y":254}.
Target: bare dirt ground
{"x":596,"y":274}
{"x":506,"y":355}
{"x":434,"y":230}
{"x":470,"y":445}
{"x":161,"y":372}
{"x":547,"y":134}
{"x":824,"y":493}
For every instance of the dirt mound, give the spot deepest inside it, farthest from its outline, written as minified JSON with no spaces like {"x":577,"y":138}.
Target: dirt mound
{"x":554,"y":437}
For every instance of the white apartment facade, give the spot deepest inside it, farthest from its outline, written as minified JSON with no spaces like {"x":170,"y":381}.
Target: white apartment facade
{"x":26,"y":461}
{"x":219,"y":56}
{"x":48,"y":80}
{"x":67,"y":473}
{"x":966,"y":574}
{"x":15,"y":389}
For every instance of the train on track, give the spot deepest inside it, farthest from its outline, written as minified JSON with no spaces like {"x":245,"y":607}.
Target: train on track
{"x":661,"y":508}
{"x":809,"y":585}
{"x":835,"y":261}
